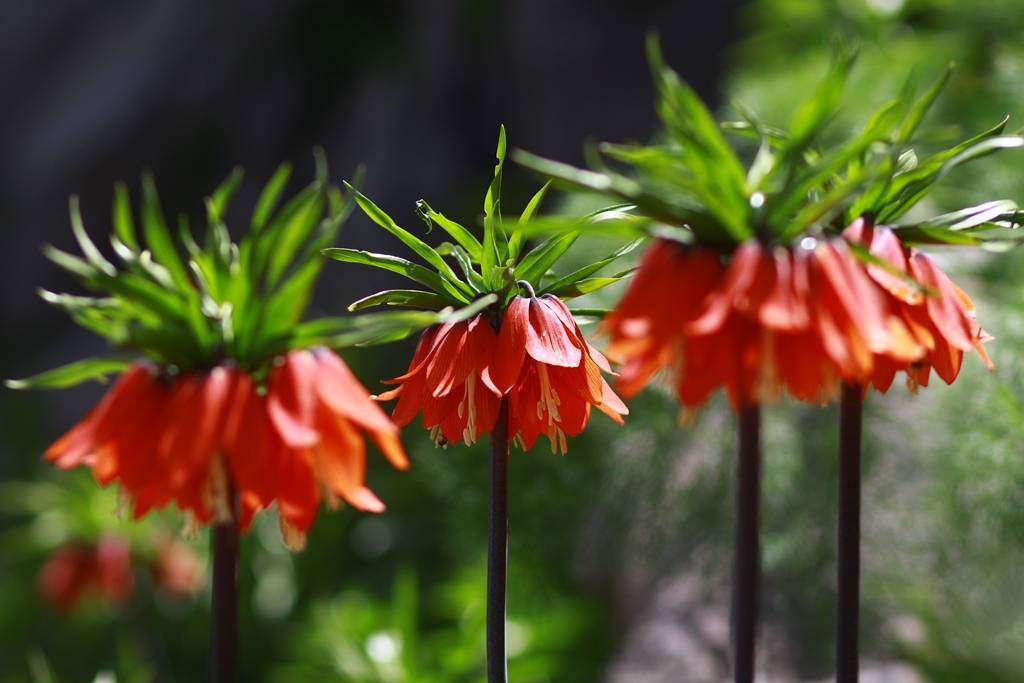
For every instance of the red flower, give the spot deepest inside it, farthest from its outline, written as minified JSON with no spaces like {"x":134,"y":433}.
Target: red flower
{"x":551,"y":374}
{"x":196,"y":438}
{"x":449,"y":380}
{"x":72,"y":571}
{"x":176,"y":569}
{"x":800,"y":319}
{"x":940,"y":318}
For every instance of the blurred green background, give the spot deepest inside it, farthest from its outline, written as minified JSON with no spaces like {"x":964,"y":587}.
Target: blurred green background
{"x":620,"y":550}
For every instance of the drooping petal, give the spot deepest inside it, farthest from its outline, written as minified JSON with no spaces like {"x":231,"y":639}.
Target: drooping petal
{"x":547,"y":339}
{"x":508,"y":358}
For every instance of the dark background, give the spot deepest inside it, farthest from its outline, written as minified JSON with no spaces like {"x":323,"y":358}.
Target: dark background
{"x":620,"y":551}
{"x":96,"y":92}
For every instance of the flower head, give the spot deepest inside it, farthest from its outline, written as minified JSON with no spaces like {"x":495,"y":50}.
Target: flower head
{"x":449,"y":380}
{"x":202,"y":439}
{"x":228,"y":404}
{"x":75,"y":570}
{"x":938,"y":315}
{"x":750,"y":285}
{"x":551,"y":374}
{"x":800,"y":319}
{"x":495,"y":346}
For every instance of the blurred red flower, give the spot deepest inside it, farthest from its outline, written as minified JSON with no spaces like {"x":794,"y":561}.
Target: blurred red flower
{"x":938,"y":314}
{"x":800,"y":319}
{"x":197,"y":438}
{"x":176,"y":569}
{"x":75,"y":570}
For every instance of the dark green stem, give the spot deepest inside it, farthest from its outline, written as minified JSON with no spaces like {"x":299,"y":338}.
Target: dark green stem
{"x":747,"y":568}
{"x":848,"y":535}
{"x":497,"y":549}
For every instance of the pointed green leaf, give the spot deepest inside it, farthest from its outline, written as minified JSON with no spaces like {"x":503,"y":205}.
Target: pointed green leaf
{"x":460,"y":234}
{"x":72,"y":374}
{"x":587,"y":285}
{"x":515,"y":242}
{"x":922,"y":105}
{"x":92,"y":254}
{"x":413,"y":271}
{"x":270,"y":196}
{"x":495,"y":246}
{"x":158,"y":238}
{"x":588,"y":270}
{"x":124,"y":225}
{"x":418,"y":246}
{"x":537,"y":262}
{"x":413,"y":298}
{"x":217,"y":203}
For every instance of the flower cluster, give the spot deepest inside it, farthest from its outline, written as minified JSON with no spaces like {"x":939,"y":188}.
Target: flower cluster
{"x":514,"y":340}
{"x":106,"y":568}
{"x":939,"y":316}
{"x":802,"y":319}
{"x":74,"y":570}
{"x":538,"y":358}
{"x":772,"y":277}
{"x":217,"y":448}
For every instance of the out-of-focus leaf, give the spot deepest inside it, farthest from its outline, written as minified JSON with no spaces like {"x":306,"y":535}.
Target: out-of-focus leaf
{"x":922,"y":105}
{"x":72,"y":374}
{"x":270,"y":196}
{"x":217,"y":202}
{"x":154,"y":228}
{"x":289,"y":231}
{"x":92,"y":254}
{"x":124,"y":225}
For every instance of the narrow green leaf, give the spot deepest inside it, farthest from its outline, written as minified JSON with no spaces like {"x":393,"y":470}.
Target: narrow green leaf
{"x":495,"y":246}
{"x":476,"y":282}
{"x":537,"y":262}
{"x":418,"y":246}
{"x":587,"y":285}
{"x":270,"y":196}
{"x":217,"y":203}
{"x":588,"y":270}
{"x":158,"y":238}
{"x":124,"y":225}
{"x":413,"y":271}
{"x":922,"y":105}
{"x":69,"y":262}
{"x":72,"y":374}
{"x":92,"y":254}
{"x":289,"y":231}
{"x":515,"y":242}
{"x":459,"y":233}
{"x":413,"y":298}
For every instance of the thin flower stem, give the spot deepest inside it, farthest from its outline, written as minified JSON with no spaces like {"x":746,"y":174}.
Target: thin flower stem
{"x":224,"y":607}
{"x":497,"y":549}
{"x":747,"y":569}
{"x":848,"y":535}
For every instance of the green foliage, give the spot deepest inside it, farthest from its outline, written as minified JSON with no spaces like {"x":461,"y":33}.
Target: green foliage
{"x":797,"y":182}
{"x":493,"y":266}
{"x":190,"y":306}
